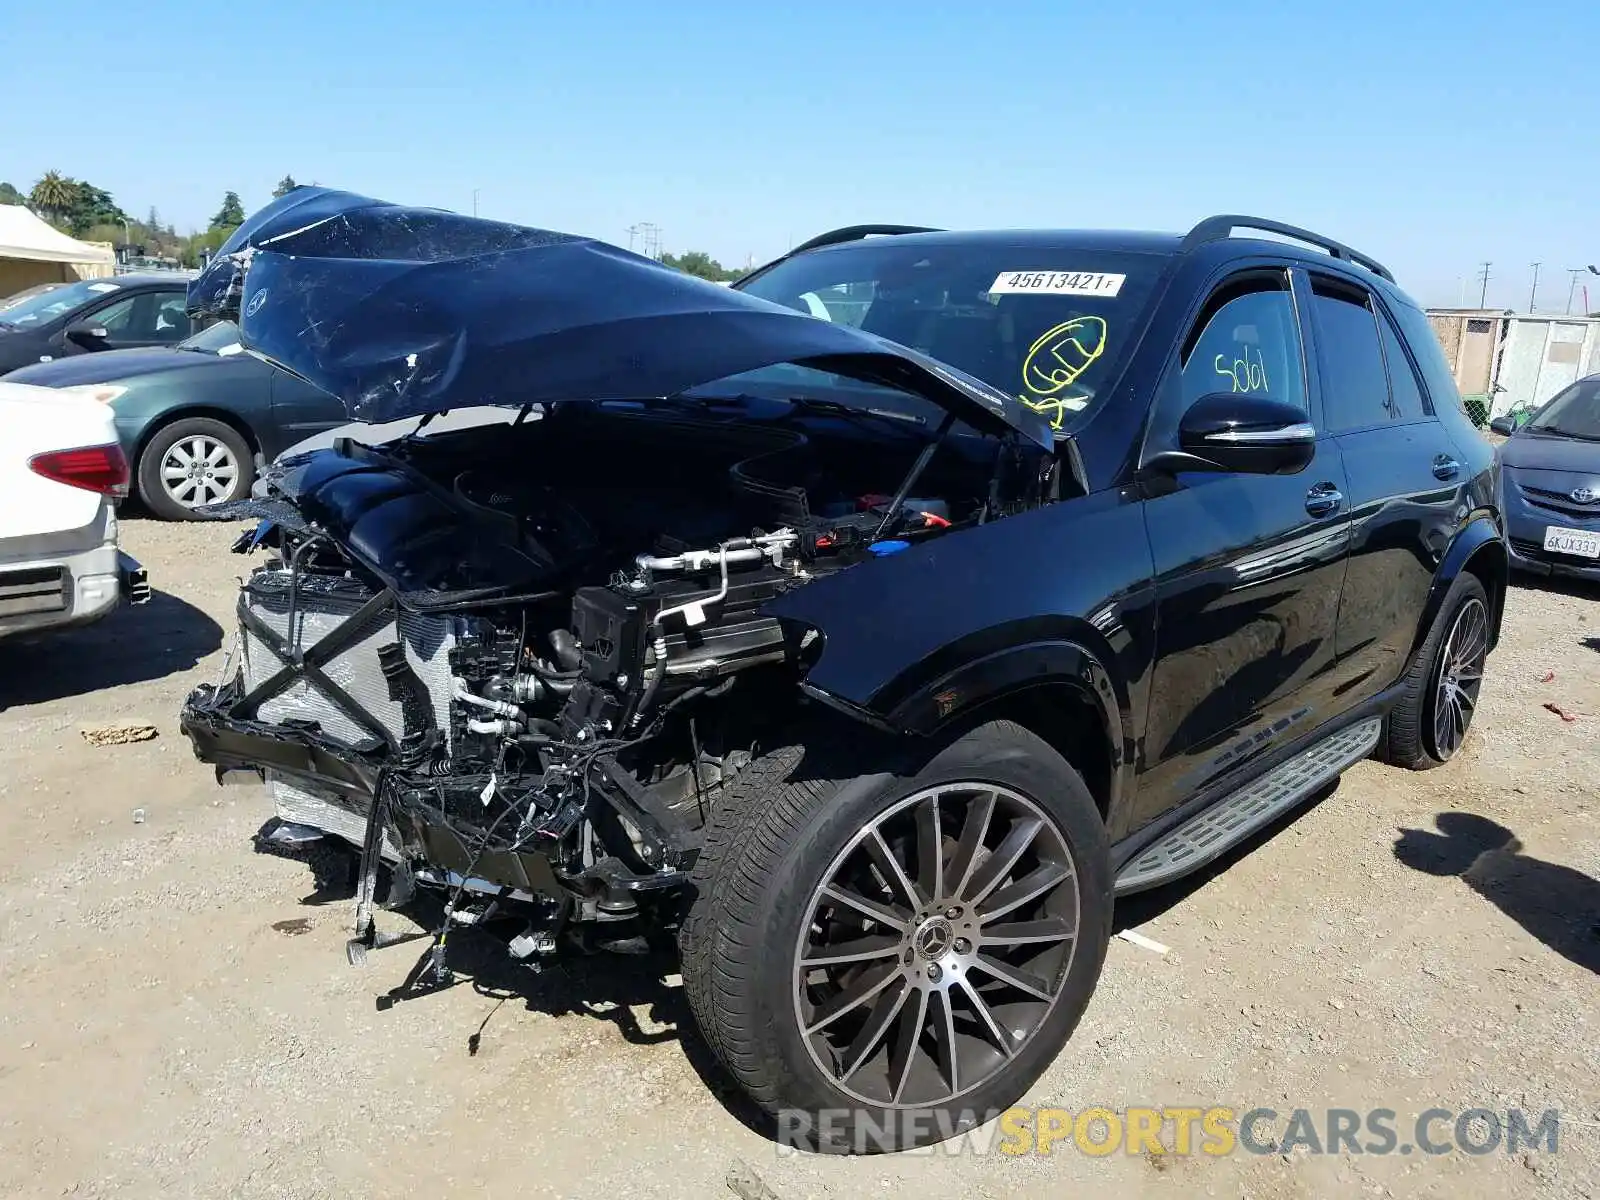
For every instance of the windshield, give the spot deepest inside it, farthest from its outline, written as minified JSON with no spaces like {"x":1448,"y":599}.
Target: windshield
{"x":1045,"y":325}
{"x":219,"y":338}
{"x":1573,"y":413}
{"x":47,"y":306}
{"x":17,"y":298}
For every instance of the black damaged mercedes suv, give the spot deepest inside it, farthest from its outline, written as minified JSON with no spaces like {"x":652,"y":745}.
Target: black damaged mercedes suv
{"x":864,"y":630}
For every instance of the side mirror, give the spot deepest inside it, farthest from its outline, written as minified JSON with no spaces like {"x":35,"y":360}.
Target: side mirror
{"x":1503,"y":425}
{"x":87,"y":334}
{"x":1234,"y":431}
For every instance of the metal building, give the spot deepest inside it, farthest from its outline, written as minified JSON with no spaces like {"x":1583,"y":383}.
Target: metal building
{"x":1504,"y":360}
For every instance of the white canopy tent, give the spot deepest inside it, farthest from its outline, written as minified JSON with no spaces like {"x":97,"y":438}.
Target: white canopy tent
{"x":31,"y":252}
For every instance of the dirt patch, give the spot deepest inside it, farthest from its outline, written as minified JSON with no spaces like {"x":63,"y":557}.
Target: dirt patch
{"x":177,"y":1017}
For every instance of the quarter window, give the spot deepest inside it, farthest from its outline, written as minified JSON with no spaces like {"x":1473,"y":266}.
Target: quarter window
{"x":1405,"y":395}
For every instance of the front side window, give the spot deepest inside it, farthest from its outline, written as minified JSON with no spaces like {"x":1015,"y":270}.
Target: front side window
{"x":1045,"y":325}
{"x":119,"y":319}
{"x":171,"y":321}
{"x":1355,"y":386}
{"x":1246,"y":340}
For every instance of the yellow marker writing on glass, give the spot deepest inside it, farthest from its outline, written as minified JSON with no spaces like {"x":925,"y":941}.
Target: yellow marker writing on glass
{"x":1056,"y":360}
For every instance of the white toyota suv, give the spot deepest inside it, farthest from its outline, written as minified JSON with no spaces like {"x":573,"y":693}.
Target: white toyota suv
{"x":61,"y":474}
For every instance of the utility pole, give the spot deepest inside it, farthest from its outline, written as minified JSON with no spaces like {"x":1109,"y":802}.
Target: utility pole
{"x":1483,"y":289}
{"x":474,"y":201}
{"x":1573,"y":286}
{"x":647,"y":235}
{"x":1533,"y":296}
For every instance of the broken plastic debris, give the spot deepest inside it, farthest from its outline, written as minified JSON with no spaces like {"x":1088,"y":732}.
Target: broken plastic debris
{"x":1549,"y":677}
{"x":118,"y":735}
{"x":743,"y":1182}
{"x":1552,"y":706}
{"x":138,"y":816}
{"x":1144,"y":943}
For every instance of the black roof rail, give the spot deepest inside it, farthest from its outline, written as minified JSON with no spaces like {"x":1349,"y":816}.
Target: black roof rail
{"x":1214,"y":229}
{"x":853,"y":233}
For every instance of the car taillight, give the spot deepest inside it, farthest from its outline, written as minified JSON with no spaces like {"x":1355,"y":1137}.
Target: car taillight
{"x":101,"y":469}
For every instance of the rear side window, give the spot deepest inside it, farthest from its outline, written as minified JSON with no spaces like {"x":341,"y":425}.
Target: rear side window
{"x":1424,"y":344}
{"x":1355,"y":386}
{"x":1246,"y":340}
{"x":1405,"y":395}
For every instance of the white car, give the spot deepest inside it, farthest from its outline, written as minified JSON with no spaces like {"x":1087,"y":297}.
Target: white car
{"x":61,"y":474}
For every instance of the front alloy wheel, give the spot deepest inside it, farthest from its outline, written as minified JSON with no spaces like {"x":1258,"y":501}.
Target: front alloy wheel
{"x":936,"y":945}
{"x":891,"y":941}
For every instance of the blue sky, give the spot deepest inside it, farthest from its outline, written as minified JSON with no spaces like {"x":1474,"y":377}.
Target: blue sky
{"x":1433,"y":140}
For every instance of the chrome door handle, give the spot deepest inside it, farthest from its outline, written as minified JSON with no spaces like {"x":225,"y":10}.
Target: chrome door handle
{"x":1445,"y":467}
{"x":1323,"y":499}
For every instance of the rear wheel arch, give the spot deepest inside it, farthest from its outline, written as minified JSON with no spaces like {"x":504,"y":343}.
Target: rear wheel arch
{"x":1479,"y":550}
{"x":1492,"y":565}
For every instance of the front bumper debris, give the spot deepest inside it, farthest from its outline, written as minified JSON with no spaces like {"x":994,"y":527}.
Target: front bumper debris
{"x":430,"y":820}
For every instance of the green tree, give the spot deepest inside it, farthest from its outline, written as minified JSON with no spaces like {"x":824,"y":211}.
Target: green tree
{"x":699,"y":264}
{"x":198,"y":245}
{"x":230,"y":215}
{"x":110,"y":233}
{"x":92,"y":206}
{"x":52,"y":196}
{"x":10,"y":195}
{"x":285,"y":186}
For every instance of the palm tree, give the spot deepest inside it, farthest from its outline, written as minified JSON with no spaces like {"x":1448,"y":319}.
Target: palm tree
{"x":53,"y":193}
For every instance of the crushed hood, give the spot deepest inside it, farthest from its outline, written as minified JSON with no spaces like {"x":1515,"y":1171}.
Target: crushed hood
{"x":403,"y":311}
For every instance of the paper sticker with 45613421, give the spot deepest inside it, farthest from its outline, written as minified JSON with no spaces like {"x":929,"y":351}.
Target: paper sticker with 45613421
{"x":1055,"y":361}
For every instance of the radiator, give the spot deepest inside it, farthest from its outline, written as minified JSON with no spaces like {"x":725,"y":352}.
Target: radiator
{"x":322,"y":604}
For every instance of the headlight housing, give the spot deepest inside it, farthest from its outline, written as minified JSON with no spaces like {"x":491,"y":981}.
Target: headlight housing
{"x":103,"y":392}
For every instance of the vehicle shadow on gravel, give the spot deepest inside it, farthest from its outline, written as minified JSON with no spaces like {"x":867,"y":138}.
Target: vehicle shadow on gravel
{"x":1133,"y":911}
{"x":1556,"y":904}
{"x":1558,"y":585}
{"x":605,"y":987}
{"x":132,"y":645}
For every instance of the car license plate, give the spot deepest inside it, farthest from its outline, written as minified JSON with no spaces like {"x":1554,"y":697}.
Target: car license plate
{"x":1578,"y":542}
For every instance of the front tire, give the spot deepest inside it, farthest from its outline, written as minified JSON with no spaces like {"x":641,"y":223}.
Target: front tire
{"x":885,"y":959}
{"x":191,"y":462}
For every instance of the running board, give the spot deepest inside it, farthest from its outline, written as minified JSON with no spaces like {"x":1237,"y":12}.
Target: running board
{"x":1228,"y":822}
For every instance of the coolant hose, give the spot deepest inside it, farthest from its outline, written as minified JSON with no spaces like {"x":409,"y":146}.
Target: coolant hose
{"x":500,"y":708}
{"x":501,"y":728}
{"x":564,"y":645}
{"x":647,"y":701}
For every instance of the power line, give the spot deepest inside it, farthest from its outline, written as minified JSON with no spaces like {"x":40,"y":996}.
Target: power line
{"x":645,"y":238}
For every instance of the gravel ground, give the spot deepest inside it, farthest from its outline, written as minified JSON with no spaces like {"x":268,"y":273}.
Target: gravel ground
{"x":177,"y":1017}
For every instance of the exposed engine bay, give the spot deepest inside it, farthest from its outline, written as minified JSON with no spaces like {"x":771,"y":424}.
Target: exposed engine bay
{"x":520,"y":664}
